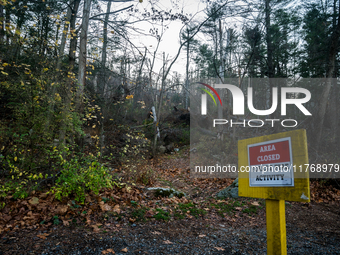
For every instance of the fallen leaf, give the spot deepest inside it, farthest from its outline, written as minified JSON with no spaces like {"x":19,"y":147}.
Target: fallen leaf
{"x":66,"y":223}
{"x":255,"y":203}
{"x":95,"y":228}
{"x":238,"y":208}
{"x":116,"y":209}
{"x":43,"y":236}
{"x":6,"y":217}
{"x":167,"y":242}
{"x":219,"y":248}
{"x":61,"y":210}
{"x":124,"y":250}
{"x":156,"y":233}
{"x":43,"y":195}
{"x":88,"y":221}
{"x":149,"y":213}
{"x":104,"y":207}
{"x":34,"y":201}
{"x":201,"y":235}
{"x":108,"y":251}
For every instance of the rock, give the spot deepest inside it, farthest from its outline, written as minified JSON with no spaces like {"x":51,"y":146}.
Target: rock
{"x":167,"y":192}
{"x":229,"y":192}
{"x":162,"y":149}
{"x":169,"y":147}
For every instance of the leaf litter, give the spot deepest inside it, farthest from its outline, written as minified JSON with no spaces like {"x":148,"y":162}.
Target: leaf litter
{"x":113,"y":210}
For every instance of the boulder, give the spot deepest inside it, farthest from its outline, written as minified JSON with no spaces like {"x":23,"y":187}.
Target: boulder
{"x":230,"y":191}
{"x":162,"y":149}
{"x":167,"y":192}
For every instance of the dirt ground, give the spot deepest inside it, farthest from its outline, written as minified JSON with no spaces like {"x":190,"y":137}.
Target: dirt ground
{"x":312,"y":228}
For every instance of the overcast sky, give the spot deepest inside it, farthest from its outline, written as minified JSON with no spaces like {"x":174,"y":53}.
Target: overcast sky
{"x":170,"y":40}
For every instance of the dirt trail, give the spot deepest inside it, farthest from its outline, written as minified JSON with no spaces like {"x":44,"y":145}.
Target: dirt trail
{"x":204,"y":226}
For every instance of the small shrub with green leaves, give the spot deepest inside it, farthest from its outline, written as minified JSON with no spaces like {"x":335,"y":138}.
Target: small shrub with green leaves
{"x":162,"y":215}
{"x":78,"y":177}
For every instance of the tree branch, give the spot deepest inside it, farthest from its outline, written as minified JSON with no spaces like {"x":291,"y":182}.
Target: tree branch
{"x":111,"y":12}
{"x":189,"y":38}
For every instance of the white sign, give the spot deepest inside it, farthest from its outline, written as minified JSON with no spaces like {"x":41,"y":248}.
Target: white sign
{"x":270,"y":163}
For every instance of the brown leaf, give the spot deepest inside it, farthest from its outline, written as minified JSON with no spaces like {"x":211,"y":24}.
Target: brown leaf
{"x":88,"y":221}
{"x":156,"y":233}
{"x":43,"y":236}
{"x":149,"y":213}
{"x":88,"y":199}
{"x":34,"y":201}
{"x":6,"y":217}
{"x":62,"y":209}
{"x":95,"y":228}
{"x":167,"y":242}
{"x":66,"y":223}
{"x":104,"y":207}
{"x":238,"y":208}
{"x":255,"y":203}
{"x":202,"y":235}
{"x":124,"y":250}
{"x":115,"y":196}
{"x":219,"y":248}
{"x":43,"y":195}
{"x":116,"y":209}
{"x":108,"y":251}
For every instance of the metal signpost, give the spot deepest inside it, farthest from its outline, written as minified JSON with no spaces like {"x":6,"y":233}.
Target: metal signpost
{"x":273,"y":167}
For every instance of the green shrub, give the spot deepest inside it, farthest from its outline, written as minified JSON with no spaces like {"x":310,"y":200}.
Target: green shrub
{"x":76,"y":178}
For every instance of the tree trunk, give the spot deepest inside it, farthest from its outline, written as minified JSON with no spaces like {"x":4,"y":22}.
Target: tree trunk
{"x":270,"y":67}
{"x":333,"y":109}
{"x":2,"y":24}
{"x":8,"y":23}
{"x":104,"y":50}
{"x":72,"y":54}
{"x":320,"y":116}
{"x":221,"y":76}
{"x":157,"y":134}
{"x":187,"y":73}
{"x":59,"y":60}
{"x":16,"y":37}
{"x":138,"y":89}
{"x":73,"y":42}
{"x":82,"y":53}
{"x":64,"y":36}
{"x":108,"y":9}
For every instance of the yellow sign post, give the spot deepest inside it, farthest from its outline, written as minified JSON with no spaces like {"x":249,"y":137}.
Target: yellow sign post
{"x":273,"y":167}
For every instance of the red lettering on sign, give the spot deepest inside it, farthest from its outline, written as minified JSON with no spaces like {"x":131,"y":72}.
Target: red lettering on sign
{"x":269,"y":153}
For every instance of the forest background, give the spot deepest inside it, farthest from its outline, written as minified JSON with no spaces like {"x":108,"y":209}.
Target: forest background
{"x":81,"y":97}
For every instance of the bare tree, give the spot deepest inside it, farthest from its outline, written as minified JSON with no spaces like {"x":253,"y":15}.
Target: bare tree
{"x":333,"y":51}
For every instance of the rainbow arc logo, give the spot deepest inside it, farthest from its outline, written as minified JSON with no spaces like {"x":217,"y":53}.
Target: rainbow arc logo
{"x":204,"y":97}
{"x":208,"y":92}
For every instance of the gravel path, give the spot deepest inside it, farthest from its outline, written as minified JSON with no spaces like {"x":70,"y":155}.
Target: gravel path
{"x":160,"y":238}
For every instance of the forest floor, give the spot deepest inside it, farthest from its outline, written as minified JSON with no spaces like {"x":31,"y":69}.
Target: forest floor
{"x":131,"y":220}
